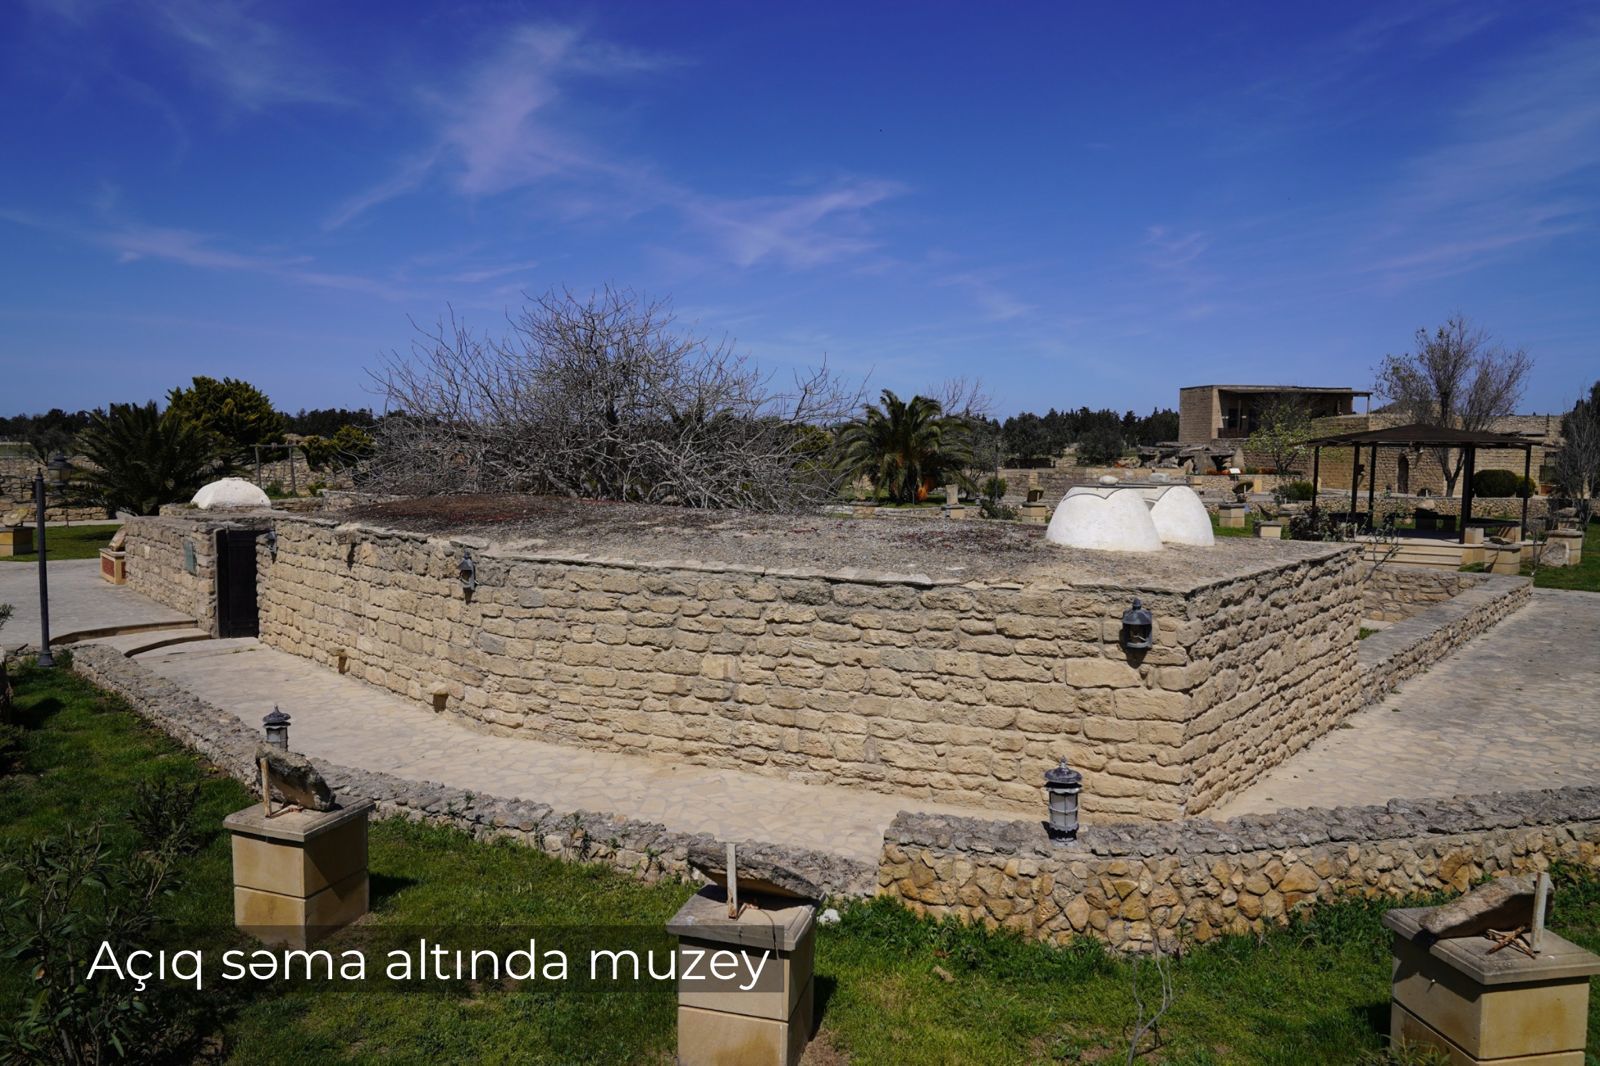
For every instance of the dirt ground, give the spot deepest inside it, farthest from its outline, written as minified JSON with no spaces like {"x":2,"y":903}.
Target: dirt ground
{"x":935,"y":547}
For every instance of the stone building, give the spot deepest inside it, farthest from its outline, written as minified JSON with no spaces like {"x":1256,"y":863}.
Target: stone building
{"x":1208,"y":413}
{"x":1226,"y":415}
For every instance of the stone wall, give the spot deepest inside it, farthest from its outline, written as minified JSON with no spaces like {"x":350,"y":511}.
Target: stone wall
{"x":1394,"y":592}
{"x":933,"y":688}
{"x":1131,"y":884}
{"x":646,"y":850}
{"x":1405,"y":649}
{"x":156,"y":559}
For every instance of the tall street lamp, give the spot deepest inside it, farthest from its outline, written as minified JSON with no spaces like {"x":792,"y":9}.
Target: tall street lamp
{"x":45,"y":658}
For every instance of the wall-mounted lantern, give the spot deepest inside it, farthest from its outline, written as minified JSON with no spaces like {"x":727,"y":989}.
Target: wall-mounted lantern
{"x":272,"y":544}
{"x":1061,"y":788}
{"x":468,"y":573}
{"x":277,"y":724}
{"x":1138,"y":627}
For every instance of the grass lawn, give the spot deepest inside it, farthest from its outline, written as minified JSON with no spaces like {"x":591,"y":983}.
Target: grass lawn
{"x":894,"y":989}
{"x":71,"y":542}
{"x":1584,"y":577}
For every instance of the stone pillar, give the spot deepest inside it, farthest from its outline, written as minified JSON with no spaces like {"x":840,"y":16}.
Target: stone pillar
{"x":1479,"y":1007}
{"x":1269,"y":530}
{"x":724,"y":1021}
{"x":952,"y":502}
{"x":1231,"y":516}
{"x":298,"y":875}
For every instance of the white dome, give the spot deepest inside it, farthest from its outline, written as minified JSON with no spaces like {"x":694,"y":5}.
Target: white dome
{"x":1181,"y":518}
{"x":1105,"y":520}
{"x":230,"y":492}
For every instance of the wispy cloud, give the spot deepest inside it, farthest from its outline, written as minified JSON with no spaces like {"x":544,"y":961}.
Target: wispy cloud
{"x":507,"y":126}
{"x":133,"y":242}
{"x":251,"y":59}
{"x":997,"y":304}
{"x":1519,"y":165}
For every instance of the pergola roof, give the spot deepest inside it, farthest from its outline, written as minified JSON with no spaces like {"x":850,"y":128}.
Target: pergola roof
{"x":1422,"y":435}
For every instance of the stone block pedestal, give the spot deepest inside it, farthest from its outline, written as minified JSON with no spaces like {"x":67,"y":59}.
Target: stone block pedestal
{"x":114,"y":566}
{"x":1269,"y":530}
{"x":1036,"y":512}
{"x":1231,"y":516}
{"x":16,"y":540}
{"x":1479,"y":1007}
{"x":724,"y":1022}
{"x":298,"y":875}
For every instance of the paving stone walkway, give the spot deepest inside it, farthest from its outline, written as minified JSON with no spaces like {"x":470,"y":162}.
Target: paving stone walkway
{"x":80,"y":600}
{"x":1518,"y":707}
{"x":355,"y":724}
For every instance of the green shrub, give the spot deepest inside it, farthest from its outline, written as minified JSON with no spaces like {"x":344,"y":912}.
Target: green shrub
{"x":1298,"y":491}
{"x":1501,"y":483}
{"x":994,"y":488}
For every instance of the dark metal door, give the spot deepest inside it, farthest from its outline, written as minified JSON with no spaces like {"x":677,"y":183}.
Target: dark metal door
{"x":236,"y":583}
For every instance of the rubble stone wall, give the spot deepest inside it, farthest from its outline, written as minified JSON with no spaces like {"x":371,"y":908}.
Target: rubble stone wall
{"x":1390,"y":656}
{"x":1394,"y":592}
{"x":931,"y":688}
{"x":1130,"y":885}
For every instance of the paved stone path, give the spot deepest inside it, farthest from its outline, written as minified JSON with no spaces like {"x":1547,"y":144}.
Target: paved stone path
{"x":1518,"y":707}
{"x":80,"y":600}
{"x":355,"y":724}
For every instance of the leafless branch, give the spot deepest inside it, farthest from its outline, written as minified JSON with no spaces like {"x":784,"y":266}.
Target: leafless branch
{"x":600,"y":397}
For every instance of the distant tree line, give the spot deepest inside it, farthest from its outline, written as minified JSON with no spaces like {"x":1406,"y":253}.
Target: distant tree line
{"x":1100,"y":436}
{"x":143,"y":455}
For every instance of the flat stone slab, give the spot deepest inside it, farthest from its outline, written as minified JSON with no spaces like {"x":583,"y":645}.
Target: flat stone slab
{"x":755,"y":872}
{"x":295,"y":827}
{"x":1558,"y":957}
{"x":764,"y":922}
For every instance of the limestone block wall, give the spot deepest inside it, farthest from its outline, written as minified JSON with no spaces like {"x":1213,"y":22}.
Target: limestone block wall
{"x":155,"y":560}
{"x":1198,"y":879}
{"x":939,"y":689}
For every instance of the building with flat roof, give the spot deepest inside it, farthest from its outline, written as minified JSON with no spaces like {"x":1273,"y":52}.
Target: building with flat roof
{"x":1221,"y":412}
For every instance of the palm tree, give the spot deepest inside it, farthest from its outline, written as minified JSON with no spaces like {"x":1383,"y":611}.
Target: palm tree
{"x":143,"y":459}
{"x":901,"y":447}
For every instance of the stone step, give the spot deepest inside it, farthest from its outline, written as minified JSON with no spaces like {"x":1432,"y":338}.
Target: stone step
{"x":131,"y":644}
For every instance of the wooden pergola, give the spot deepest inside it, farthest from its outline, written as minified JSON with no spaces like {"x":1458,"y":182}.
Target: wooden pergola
{"x":1417,"y":436}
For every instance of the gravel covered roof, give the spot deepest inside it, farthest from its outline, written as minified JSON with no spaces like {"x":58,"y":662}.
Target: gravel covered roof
{"x":933,"y":547}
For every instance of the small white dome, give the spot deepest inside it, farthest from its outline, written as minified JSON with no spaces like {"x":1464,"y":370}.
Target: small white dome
{"x":1113,"y":521}
{"x":229,"y":493}
{"x":1108,"y":479}
{"x":1181,"y":518}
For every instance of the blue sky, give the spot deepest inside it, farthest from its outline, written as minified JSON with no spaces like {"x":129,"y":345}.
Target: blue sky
{"x":1079,"y":204}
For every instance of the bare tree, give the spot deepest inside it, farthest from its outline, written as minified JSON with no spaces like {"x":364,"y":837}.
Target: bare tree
{"x":600,"y":397}
{"x":1578,"y":460}
{"x":1457,"y":378}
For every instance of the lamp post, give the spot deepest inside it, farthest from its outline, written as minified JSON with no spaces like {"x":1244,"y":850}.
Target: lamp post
{"x":1061,"y":788}
{"x":45,"y":658}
